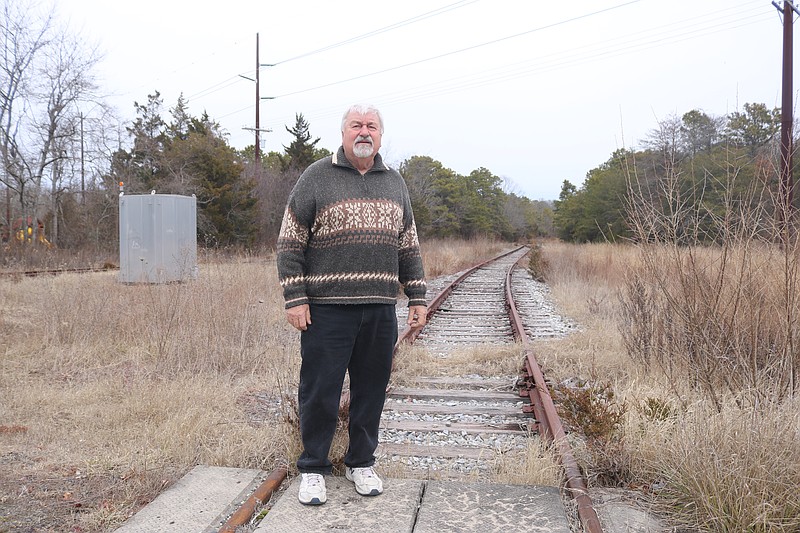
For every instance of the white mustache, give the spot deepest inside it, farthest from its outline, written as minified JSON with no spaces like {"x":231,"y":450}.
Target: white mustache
{"x":362,"y":138}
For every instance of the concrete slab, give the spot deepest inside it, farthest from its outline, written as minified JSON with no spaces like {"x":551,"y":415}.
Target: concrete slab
{"x":197,"y":502}
{"x":452,"y":506}
{"x":202,"y":500}
{"x":394,"y":511}
{"x":623,"y":511}
{"x":416,"y":506}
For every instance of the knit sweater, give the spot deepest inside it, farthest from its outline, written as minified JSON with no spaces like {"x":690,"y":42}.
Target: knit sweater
{"x":348,"y":238}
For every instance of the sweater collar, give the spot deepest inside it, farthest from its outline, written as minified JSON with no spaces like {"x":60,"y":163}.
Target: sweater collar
{"x":340,"y":160}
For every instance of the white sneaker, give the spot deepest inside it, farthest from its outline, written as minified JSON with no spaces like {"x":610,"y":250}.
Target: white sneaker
{"x":312,"y":489}
{"x":367,"y":481}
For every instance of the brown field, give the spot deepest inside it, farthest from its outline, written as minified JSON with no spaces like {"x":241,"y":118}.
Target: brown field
{"x":111,"y":392}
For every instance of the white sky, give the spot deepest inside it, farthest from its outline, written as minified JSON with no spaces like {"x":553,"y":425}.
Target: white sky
{"x":537,"y":92}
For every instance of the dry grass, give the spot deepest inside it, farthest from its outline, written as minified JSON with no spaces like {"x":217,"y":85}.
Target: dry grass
{"x":123,"y":388}
{"x":722,"y":465}
{"x":495,"y":361}
{"x":536,"y":465}
{"x":447,"y":256}
{"x":729,"y":471}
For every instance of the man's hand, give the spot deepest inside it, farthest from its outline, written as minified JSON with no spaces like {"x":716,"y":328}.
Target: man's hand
{"x":299,"y":317}
{"x":417,"y":316}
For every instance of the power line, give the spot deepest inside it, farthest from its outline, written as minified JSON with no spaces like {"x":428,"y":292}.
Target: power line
{"x":642,"y":40}
{"x":406,"y":22}
{"x":473,"y":47}
{"x":703,"y":25}
{"x":236,"y":79}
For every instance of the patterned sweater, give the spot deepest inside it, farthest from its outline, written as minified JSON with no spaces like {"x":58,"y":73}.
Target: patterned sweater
{"x":348,"y":238}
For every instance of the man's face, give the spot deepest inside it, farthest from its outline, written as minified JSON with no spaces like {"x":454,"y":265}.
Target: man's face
{"x":361,"y":137}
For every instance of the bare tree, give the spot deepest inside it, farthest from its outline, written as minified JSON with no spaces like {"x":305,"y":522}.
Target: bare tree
{"x":46,"y":74}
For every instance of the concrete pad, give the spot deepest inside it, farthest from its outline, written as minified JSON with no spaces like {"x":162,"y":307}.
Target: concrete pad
{"x":197,"y":502}
{"x":623,"y":511}
{"x":416,"y":506}
{"x":394,"y":511}
{"x":484,"y":508}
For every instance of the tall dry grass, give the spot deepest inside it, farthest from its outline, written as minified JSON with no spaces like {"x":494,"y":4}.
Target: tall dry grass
{"x":723,"y":315}
{"x":447,"y":256}
{"x":120,"y":389}
{"x":722,"y":462}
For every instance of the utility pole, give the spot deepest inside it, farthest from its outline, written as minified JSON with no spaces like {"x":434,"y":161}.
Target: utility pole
{"x":257,"y":129}
{"x":258,"y":106}
{"x":83,"y":168}
{"x":786,"y":184}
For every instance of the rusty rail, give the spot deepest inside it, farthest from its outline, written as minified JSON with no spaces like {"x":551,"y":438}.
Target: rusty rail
{"x":547,"y":418}
{"x":262,"y":494}
{"x":53,"y":272}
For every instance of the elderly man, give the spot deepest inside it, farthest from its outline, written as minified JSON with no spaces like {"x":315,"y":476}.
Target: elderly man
{"x":347,"y":244}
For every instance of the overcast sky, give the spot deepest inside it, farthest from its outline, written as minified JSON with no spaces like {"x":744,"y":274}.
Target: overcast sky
{"x":537,"y":92}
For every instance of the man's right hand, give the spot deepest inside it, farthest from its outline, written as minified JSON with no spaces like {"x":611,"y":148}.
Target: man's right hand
{"x":299,"y":317}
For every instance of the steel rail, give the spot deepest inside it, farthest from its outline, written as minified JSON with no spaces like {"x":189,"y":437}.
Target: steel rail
{"x":52,"y":272}
{"x":549,"y":423}
{"x":262,"y":494}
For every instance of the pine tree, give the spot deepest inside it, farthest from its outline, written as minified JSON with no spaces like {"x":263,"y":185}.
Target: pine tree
{"x":300,"y":153}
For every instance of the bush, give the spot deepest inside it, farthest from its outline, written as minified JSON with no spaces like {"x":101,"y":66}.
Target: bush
{"x":537,"y":263}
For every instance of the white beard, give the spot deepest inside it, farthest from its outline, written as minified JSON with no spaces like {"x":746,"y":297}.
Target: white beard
{"x":362,"y":150}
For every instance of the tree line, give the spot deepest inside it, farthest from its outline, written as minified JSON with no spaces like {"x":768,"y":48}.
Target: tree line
{"x":699,"y":169}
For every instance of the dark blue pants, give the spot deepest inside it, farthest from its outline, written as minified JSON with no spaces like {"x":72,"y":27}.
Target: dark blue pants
{"x":358,"y":339}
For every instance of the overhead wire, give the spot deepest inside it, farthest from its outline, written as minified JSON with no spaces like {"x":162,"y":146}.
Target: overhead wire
{"x":423,"y":16}
{"x":406,"y":22}
{"x":461,"y":50}
{"x":667,"y":34}
{"x":472,"y":47}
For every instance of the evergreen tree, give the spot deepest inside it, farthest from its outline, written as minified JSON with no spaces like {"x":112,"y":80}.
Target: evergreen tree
{"x":143,"y":164}
{"x":301,"y":152}
{"x":432,"y":189}
{"x":204,"y":164}
{"x":755,"y":127}
{"x":567,"y":211}
{"x":483,"y":203}
{"x":190,"y":156}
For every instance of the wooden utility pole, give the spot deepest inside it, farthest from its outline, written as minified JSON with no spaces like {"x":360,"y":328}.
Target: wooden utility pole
{"x":258,"y":120}
{"x":83,"y":168}
{"x":257,"y":129}
{"x":786,"y":184}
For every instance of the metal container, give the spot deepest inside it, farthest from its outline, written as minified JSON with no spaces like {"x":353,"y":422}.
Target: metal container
{"x":157,"y":238}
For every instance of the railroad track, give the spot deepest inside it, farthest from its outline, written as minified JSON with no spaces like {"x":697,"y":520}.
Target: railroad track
{"x":53,"y":272}
{"x":459,"y":425}
{"x":463,"y":424}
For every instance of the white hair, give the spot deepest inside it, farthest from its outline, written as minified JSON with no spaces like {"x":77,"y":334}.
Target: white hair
{"x":362,"y":109}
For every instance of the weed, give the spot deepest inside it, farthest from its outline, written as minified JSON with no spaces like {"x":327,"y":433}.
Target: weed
{"x":538,"y":266}
{"x":591,"y":409}
{"x":657,"y":410}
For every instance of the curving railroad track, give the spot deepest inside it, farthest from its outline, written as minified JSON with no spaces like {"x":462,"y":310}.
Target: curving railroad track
{"x":491,"y":303}
{"x":463,"y":424}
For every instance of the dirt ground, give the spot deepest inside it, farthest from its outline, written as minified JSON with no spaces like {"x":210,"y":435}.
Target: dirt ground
{"x":36,"y":500}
